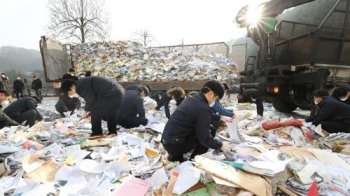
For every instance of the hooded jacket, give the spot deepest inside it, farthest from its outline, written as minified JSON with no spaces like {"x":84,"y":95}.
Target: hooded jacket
{"x":193,"y":116}
{"x":166,"y":98}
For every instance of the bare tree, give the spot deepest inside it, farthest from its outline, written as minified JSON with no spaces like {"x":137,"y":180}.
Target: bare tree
{"x":83,"y":20}
{"x":144,"y":37}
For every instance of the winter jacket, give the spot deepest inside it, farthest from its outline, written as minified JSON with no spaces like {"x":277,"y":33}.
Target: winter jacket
{"x":166,"y":98}
{"x":193,"y":116}
{"x":217,"y":108}
{"x":259,"y":104}
{"x":131,"y":106}
{"x":18,"y":107}
{"x":67,"y":103}
{"x":94,"y":88}
{"x":331,"y":110}
{"x":5,"y":120}
{"x":5,"y":81}
{"x":37,"y":84}
{"x":18,"y":85}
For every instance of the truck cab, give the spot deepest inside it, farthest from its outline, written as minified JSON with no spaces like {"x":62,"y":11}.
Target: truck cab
{"x":295,"y":59}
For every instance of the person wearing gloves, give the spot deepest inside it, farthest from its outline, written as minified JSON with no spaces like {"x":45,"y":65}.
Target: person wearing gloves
{"x":131,"y":113}
{"x":103,"y":98}
{"x":333,"y":116}
{"x":176,"y":93}
{"x":67,"y":104}
{"x":37,"y":86}
{"x":252,"y":96}
{"x":189,"y":127}
{"x":24,"y":110}
{"x":5,"y":80}
{"x":18,"y":87}
{"x":342,"y":94}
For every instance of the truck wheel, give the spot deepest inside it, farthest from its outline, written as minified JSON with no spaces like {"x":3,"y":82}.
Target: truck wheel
{"x":283,"y":105}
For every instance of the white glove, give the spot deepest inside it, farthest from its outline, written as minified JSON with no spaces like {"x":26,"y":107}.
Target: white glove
{"x":83,"y":114}
{"x":312,"y":127}
{"x":66,"y":114}
{"x":226,"y":147}
{"x":226,"y":119}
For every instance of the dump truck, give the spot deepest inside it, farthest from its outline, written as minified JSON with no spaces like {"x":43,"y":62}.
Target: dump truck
{"x":295,"y":59}
{"x":57,"y":59}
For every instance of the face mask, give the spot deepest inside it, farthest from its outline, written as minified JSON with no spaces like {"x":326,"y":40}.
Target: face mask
{"x":4,"y":104}
{"x":253,"y":100}
{"x":72,"y":74}
{"x":18,"y":78}
{"x":315,"y":102}
{"x":343,"y":99}
{"x":212,"y":104}
{"x":75,"y":95}
{"x":3,"y":76}
{"x":35,"y":78}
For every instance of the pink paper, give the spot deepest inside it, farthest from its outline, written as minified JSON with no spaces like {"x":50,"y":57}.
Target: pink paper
{"x":133,"y":187}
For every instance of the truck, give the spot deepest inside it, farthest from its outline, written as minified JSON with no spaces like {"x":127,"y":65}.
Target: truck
{"x":295,"y":59}
{"x":57,"y":59}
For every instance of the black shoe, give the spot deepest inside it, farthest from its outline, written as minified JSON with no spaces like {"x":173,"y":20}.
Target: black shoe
{"x":95,"y":134}
{"x":180,"y":159}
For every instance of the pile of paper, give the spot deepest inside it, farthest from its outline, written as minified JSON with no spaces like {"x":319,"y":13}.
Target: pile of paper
{"x":56,"y":157}
{"x":129,"y":61}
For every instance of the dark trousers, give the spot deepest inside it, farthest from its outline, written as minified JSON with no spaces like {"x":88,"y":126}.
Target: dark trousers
{"x":19,"y":92}
{"x":60,"y":110}
{"x":30,"y":116}
{"x":176,"y":151}
{"x":38,"y":94}
{"x":132,"y":122}
{"x":105,"y":106}
{"x":335,"y":127}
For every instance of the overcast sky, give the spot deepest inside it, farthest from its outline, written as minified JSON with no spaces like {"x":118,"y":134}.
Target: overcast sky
{"x":22,"y":22}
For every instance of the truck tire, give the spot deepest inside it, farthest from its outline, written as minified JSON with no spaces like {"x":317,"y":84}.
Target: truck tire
{"x":282,"y":105}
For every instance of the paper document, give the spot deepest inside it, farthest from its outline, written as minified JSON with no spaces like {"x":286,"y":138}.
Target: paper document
{"x":233,"y":132}
{"x":133,"y":187}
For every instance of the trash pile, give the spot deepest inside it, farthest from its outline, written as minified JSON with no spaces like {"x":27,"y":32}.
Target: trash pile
{"x":270,"y":156}
{"x":129,"y":61}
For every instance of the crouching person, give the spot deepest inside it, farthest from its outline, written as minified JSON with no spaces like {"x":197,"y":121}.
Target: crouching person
{"x":4,"y":119}
{"x":24,"y":110}
{"x":67,"y":103}
{"x":132,"y":113}
{"x":189,"y":127}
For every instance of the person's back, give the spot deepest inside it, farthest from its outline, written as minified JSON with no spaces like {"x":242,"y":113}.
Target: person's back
{"x":19,"y":106}
{"x":333,"y":110}
{"x":132,"y":105}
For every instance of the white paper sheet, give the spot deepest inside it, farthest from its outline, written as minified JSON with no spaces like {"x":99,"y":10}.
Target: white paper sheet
{"x":7,"y":149}
{"x":64,"y":172}
{"x":91,"y":166}
{"x":276,"y":166}
{"x":43,"y":189}
{"x":188,"y":177}
{"x":158,"y":178}
{"x":159,"y":127}
{"x":233,"y":132}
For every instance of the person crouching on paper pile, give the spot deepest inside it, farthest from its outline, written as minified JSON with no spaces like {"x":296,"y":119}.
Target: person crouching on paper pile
{"x":4,"y":102}
{"x":176,"y":93}
{"x":25,"y":110}
{"x":189,"y":127}
{"x":252,"y":96}
{"x":67,"y":104}
{"x":333,"y":116}
{"x":132,"y":106}
{"x":102,"y":96}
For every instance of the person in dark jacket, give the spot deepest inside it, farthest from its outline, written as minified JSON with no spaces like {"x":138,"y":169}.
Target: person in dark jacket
{"x":189,"y":127}
{"x":333,"y":116}
{"x":157,"y":97}
{"x":217,"y":107}
{"x":67,"y":103}
{"x":37,"y":86}
{"x":4,"y":119}
{"x":342,"y":94}
{"x":24,"y":110}
{"x":18,"y":87}
{"x":102,"y":96}
{"x":252,"y":96}
{"x":88,"y":74}
{"x":176,"y":93}
{"x":132,"y":106}
{"x":5,"y":80}
{"x":69,"y":76}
